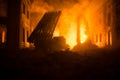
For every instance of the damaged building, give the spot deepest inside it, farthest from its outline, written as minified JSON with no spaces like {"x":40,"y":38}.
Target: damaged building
{"x":100,"y":25}
{"x":106,"y":29}
{"x":14,"y":23}
{"x":25,"y":26}
{"x":103,"y":25}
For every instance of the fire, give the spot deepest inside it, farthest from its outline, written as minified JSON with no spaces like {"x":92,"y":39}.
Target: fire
{"x":71,"y":36}
{"x":68,"y":24}
{"x":56,"y":33}
{"x":82,"y":20}
{"x":83,"y":35}
{"x":67,"y":27}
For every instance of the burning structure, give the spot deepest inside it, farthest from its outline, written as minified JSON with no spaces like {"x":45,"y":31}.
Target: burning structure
{"x":88,"y":23}
{"x":14,"y":23}
{"x":81,"y":21}
{"x":42,"y":36}
{"x":94,"y":24}
{"x":25,"y":26}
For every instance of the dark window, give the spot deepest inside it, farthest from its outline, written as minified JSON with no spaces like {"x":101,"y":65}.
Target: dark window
{"x":27,"y":34}
{"x":3,"y":8}
{"x":109,"y":37}
{"x":24,"y":8}
{"x":23,"y":35}
{"x":100,"y":37}
{"x":117,"y":10}
{"x":109,"y":19}
{"x":96,"y":38}
{"x":28,"y":14}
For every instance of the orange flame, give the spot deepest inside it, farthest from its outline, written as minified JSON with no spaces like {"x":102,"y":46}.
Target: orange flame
{"x":70,"y":20}
{"x":67,"y":27}
{"x":83,"y":36}
{"x":56,"y":33}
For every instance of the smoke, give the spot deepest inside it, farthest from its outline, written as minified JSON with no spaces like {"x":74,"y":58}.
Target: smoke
{"x":39,"y":7}
{"x":75,"y":13}
{"x":48,"y":5}
{"x":61,"y":4}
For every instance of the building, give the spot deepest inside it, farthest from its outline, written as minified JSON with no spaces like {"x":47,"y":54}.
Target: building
{"x":15,"y":23}
{"x":117,"y":23}
{"x":25,"y":27}
{"x":103,"y":31}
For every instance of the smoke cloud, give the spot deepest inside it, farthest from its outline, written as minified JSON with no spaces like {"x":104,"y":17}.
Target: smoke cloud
{"x":39,"y":7}
{"x":48,"y":5}
{"x":73,"y":7}
{"x":76,"y":14}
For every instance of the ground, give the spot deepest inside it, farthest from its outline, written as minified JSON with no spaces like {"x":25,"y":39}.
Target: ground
{"x":63,"y":65}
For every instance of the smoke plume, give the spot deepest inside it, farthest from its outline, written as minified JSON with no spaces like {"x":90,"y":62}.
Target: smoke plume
{"x":39,"y":7}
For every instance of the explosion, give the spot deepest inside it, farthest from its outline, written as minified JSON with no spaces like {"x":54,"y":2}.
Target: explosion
{"x":83,"y":35}
{"x":68,"y":24}
{"x":79,"y":21}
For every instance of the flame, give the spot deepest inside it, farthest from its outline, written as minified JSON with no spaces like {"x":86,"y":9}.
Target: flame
{"x":56,"y":33}
{"x":83,"y":36}
{"x":71,"y":36}
{"x":72,"y":17}
{"x":67,"y":27}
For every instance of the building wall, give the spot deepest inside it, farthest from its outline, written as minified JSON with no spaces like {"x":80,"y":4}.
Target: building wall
{"x":117,"y":24}
{"x":102,"y":25}
{"x":15,"y":23}
{"x":25,"y":27}
{"x":3,"y":22}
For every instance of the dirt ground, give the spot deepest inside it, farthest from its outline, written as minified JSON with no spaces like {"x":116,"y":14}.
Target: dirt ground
{"x":63,"y":65}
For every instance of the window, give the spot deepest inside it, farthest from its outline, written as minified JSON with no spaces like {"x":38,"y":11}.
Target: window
{"x":28,"y":14}
{"x":23,"y":35}
{"x":109,"y":19}
{"x":23,"y":8}
{"x":3,"y":8}
{"x":96,"y":38}
{"x":27,"y":34}
{"x":3,"y":36}
{"x":100,"y":37}
{"x":109,"y":37}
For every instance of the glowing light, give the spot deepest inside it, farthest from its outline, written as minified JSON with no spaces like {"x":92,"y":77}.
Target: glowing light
{"x":83,"y":36}
{"x":3,"y":37}
{"x":71,"y":36}
{"x":27,"y":44}
{"x":67,"y":24}
{"x":56,"y":33}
